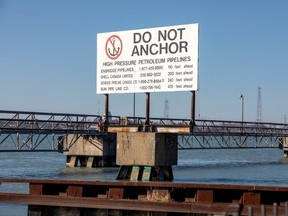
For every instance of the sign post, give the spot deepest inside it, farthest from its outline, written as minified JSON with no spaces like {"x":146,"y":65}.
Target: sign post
{"x":193,"y":99}
{"x":147,"y":108}
{"x":106,"y":113}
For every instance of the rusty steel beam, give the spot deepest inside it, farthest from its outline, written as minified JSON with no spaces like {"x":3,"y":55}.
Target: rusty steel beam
{"x":149,"y":184}
{"x":153,"y":196}
{"x":132,"y":205}
{"x":87,"y":202}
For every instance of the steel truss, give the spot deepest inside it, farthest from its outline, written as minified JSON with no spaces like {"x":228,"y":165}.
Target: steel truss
{"x":229,"y":134}
{"x":28,"y":130}
{"x":229,"y":141}
{"x":39,"y":131}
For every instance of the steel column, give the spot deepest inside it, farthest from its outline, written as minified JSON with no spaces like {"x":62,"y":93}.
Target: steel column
{"x":192,"y":117}
{"x":147,"y":121}
{"x":106,"y":122}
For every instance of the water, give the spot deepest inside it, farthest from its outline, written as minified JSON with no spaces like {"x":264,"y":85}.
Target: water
{"x":235,"y":166}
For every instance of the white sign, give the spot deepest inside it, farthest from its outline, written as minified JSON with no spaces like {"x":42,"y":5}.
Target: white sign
{"x":148,"y":60}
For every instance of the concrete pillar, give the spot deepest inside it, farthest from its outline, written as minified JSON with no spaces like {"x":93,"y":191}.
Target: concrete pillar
{"x":90,"y":151}
{"x":90,"y":161}
{"x":71,"y":161}
{"x":150,"y":155}
{"x":283,"y":143}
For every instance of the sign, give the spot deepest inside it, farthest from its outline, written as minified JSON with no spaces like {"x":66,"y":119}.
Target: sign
{"x":148,"y":60}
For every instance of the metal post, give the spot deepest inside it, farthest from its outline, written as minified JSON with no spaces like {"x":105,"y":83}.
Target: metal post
{"x":17,"y":141}
{"x":193,"y":99}
{"x":106,"y":122}
{"x":17,"y":135}
{"x":147,"y":122}
{"x":134,"y":107}
{"x":242,"y":114}
{"x":242,"y":100}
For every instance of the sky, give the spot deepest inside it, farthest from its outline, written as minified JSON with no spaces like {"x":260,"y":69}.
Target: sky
{"x":48,"y":56}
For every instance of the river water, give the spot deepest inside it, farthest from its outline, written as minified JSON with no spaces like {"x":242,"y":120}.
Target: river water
{"x":216,"y":166}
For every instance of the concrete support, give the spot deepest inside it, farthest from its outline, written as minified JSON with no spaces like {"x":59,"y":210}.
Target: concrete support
{"x":90,"y":151}
{"x":90,"y":162}
{"x":146,"y":156}
{"x":283,"y":143}
{"x":71,"y":161}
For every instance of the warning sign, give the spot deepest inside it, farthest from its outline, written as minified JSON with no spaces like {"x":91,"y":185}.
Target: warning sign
{"x":113,"y":47}
{"x":148,"y":60}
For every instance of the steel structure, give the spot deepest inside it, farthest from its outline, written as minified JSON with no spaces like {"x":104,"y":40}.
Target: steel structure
{"x":31,"y":131}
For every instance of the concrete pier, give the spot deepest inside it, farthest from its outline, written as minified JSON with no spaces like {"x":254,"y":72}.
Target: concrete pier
{"x":284,"y":145}
{"x":146,"y":155}
{"x":90,"y":151}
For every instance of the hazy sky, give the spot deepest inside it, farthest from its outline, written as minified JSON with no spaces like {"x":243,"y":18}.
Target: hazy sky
{"x":48,"y":55}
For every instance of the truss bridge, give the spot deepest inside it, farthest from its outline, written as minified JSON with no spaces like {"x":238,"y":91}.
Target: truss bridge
{"x":41,"y":131}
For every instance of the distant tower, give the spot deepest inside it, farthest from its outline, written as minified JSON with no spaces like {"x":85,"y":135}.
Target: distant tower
{"x":166,"y":109}
{"x":259,"y":106}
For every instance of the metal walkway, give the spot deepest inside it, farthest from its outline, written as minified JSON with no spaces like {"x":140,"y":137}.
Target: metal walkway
{"x":40,"y":131}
